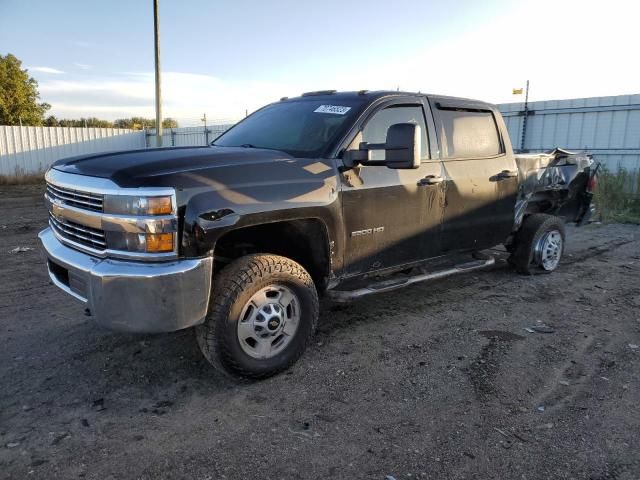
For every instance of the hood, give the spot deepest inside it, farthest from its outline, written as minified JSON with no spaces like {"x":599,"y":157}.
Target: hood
{"x":162,"y":166}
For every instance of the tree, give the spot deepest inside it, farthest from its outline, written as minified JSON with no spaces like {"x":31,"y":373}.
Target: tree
{"x":19,"y":95}
{"x":133,"y":123}
{"x":86,"y":122}
{"x":169,"y":123}
{"x":139,"y":123}
{"x":51,"y":121}
{"x":96,"y":122}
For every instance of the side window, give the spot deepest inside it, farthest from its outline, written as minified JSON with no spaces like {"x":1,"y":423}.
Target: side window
{"x":375,"y":131}
{"x":468,"y":133}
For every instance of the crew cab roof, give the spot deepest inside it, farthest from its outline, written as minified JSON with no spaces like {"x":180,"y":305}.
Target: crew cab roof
{"x":444,"y":100}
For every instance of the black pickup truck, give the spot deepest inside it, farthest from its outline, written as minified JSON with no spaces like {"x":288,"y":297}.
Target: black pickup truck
{"x":335,"y":194}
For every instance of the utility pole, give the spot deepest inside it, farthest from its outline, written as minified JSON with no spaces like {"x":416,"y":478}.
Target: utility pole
{"x":206,"y":132}
{"x":156,"y":39}
{"x":524,"y":119}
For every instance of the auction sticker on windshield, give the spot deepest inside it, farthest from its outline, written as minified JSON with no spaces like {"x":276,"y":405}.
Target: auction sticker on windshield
{"x":337,"y":109}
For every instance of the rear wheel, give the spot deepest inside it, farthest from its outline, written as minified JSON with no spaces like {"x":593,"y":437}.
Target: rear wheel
{"x":539,"y":244}
{"x":262,"y":314}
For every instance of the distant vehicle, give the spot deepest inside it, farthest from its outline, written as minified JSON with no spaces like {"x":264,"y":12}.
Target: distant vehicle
{"x":337,"y":194}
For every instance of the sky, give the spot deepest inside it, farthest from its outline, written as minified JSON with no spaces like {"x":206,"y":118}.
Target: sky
{"x":223,"y":58}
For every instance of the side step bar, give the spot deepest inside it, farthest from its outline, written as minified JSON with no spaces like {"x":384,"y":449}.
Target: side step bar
{"x":393,"y":284}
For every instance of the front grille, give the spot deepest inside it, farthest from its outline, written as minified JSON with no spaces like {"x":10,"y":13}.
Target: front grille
{"x":90,"y":237}
{"x":77,"y":218}
{"x":75,"y":198}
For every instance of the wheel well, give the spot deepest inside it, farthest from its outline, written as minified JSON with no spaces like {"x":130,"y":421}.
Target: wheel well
{"x":560,"y":203}
{"x":305,"y":241}
{"x":547,"y":202}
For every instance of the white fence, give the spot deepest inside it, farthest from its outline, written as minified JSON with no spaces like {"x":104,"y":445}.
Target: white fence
{"x":26,"y":150}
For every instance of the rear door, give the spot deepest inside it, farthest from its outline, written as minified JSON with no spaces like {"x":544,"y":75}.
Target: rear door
{"x":392,"y":217}
{"x":481,"y":176}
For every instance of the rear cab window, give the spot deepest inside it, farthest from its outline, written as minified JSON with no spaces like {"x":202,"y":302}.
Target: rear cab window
{"x":467,"y":132}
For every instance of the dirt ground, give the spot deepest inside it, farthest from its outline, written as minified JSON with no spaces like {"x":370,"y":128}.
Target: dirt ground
{"x":437,"y":381}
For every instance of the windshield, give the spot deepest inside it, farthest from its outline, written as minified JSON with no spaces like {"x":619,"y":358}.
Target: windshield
{"x":302,"y":128}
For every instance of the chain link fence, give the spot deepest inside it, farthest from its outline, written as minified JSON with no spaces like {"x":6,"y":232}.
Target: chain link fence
{"x":187,"y":136}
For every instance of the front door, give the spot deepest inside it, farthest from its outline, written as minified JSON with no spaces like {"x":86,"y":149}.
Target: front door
{"x":392,"y":217}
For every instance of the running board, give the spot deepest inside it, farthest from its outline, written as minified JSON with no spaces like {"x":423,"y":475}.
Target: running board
{"x":393,"y":284}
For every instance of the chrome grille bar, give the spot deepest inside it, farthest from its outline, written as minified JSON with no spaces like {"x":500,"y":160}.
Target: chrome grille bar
{"x":79,"y":233}
{"x":87,"y":200}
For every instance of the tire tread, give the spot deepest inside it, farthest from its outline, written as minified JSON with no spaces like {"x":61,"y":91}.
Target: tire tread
{"x":228,"y":285}
{"x":532,"y":227}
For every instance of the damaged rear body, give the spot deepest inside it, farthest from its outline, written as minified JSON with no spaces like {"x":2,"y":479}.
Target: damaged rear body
{"x":558,"y":182}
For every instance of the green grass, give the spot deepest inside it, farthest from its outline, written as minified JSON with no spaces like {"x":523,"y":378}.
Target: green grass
{"x":617,"y":197}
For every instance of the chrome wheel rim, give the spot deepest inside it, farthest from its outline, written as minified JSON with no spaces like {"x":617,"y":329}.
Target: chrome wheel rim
{"x":549,"y":250}
{"x":268,"y":321}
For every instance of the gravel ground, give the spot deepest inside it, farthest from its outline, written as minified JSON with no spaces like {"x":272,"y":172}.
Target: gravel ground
{"x":440,"y":380}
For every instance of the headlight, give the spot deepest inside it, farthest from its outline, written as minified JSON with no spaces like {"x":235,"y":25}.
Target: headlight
{"x":132,"y":228}
{"x":138,"y":206}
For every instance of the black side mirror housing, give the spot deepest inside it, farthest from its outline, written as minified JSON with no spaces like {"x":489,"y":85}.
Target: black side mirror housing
{"x":402,"y":149}
{"x":403,"y":146}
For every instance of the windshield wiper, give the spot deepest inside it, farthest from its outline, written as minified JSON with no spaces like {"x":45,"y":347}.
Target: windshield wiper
{"x":250,"y":145}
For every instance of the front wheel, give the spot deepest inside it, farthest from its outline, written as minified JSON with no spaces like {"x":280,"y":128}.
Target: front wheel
{"x":262,"y":314}
{"x":539,"y":244}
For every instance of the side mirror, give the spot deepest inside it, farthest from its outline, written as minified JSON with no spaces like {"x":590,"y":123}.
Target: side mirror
{"x":403,"y":146}
{"x":402,"y":149}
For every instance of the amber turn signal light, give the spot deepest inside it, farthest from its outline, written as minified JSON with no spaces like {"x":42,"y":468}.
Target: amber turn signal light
{"x":159,"y":206}
{"x":159,"y":242}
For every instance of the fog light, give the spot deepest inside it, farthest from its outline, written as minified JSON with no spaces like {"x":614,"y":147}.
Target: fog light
{"x":159,"y":242}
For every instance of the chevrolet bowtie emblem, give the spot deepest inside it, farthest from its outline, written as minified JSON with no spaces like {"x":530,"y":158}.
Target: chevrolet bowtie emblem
{"x":57,"y":209}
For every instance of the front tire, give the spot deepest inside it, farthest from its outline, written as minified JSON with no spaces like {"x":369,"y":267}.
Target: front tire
{"x":262,"y":314}
{"x":539,"y":244}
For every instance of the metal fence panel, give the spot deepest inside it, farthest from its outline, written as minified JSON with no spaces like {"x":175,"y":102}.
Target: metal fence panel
{"x":187,"y":136}
{"x":26,"y":150}
{"x":608,"y":127}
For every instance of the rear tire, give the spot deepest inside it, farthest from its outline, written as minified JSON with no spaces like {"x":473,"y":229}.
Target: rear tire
{"x":262,"y":314}
{"x":539,"y":244}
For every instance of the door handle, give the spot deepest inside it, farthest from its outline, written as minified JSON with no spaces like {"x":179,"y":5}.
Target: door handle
{"x":430,"y":180}
{"x":507,"y":174}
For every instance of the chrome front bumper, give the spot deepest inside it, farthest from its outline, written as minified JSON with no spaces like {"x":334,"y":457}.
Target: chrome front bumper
{"x":132,"y":296}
